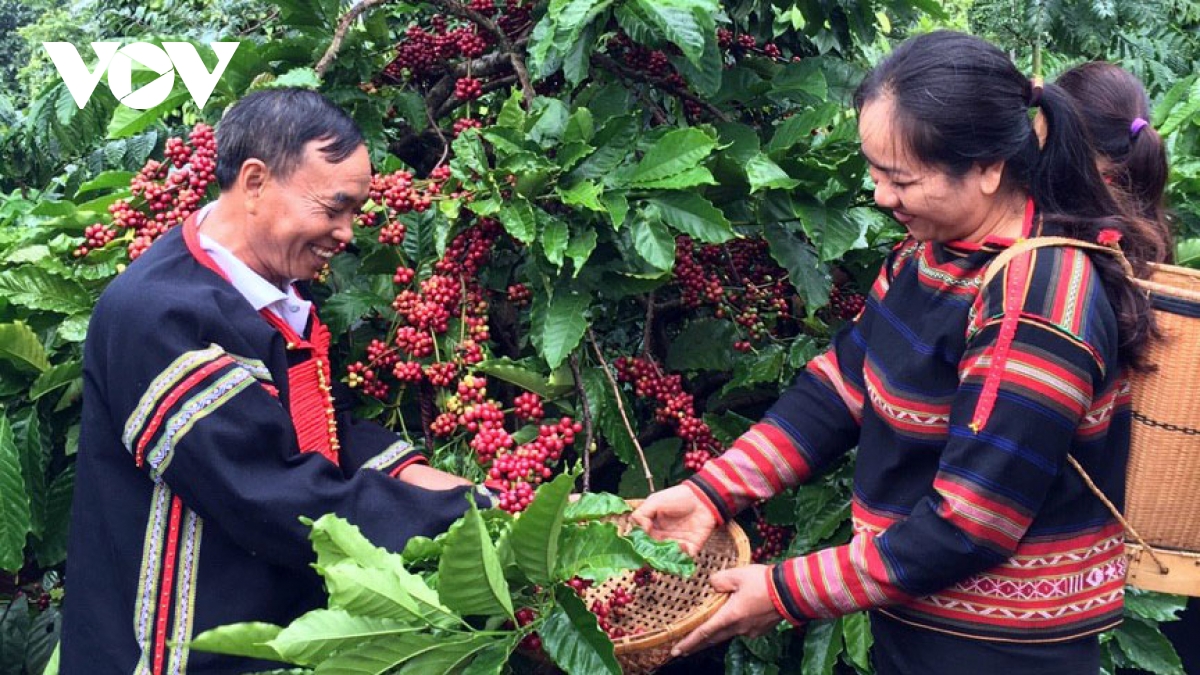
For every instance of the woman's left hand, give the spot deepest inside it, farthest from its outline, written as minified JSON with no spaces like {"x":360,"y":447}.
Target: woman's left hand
{"x":749,"y":610}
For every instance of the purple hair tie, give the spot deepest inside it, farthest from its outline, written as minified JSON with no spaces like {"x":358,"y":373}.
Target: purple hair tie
{"x":1137,"y":126}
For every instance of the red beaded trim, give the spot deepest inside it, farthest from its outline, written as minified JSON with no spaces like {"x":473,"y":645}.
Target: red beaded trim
{"x":1014,"y":299}
{"x":168,"y":579}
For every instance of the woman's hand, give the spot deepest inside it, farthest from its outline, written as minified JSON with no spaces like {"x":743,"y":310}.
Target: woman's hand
{"x":749,"y":610}
{"x":678,"y":514}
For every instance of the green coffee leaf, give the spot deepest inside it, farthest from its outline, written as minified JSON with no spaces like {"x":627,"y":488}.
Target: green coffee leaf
{"x":336,"y":539}
{"x":703,"y":344}
{"x":525,"y":378}
{"x":856,"y":632}
{"x":595,"y":551}
{"x":394,"y":594}
{"x":248,"y":639}
{"x":665,"y":556}
{"x":535,"y":535}
{"x":554,"y":240}
{"x":654,"y":242}
{"x":573,"y":639}
{"x":56,"y":377}
{"x":693,"y":215}
{"x":676,"y":152}
{"x":471,"y":579}
{"x":765,"y":174}
{"x":380,"y":656}
{"x":20,"y":345}
{"x":14,"y":502}
{"x":1153,"y":606}
{"x":822,"y":645}
{"x":317,"y":635}
{"x":564,"y":325}
{"x":593,"y":505}
{"x":1147,"y":648}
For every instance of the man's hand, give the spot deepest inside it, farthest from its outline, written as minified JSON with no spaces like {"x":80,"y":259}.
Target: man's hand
{"x":423,"y":475}
{"x":749,"y":610}
{"x":678,"y":514}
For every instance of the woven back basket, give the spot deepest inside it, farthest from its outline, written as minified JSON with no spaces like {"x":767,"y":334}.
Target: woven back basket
{"x":666,"y":610}
{"x":1162,"y":494}
{"x":1162,"y":491}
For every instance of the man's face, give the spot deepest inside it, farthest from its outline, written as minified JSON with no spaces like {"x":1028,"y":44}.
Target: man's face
{"x":300,"y":222}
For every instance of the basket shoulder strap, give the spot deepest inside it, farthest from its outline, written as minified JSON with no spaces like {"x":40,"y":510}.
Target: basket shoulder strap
{"x":1006,"y":256}
{"x":1112,"y":508}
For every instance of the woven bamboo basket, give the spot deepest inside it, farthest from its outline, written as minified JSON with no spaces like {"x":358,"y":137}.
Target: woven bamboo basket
{"x":1162,"y":502}
{"x":670,"y":607}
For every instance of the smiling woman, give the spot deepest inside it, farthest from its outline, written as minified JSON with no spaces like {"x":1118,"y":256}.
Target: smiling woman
{"x":973,"y":548}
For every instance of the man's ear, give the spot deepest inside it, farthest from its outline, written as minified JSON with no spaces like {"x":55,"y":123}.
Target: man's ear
{"x":990,"y":177}
{"x":252,"y":178}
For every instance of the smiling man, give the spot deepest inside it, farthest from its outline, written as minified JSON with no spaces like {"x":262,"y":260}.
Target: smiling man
{"x":210,"y":419}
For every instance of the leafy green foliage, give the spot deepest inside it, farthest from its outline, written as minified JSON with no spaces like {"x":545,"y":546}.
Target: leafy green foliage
{"x":383,"y":615}
{"x":602,"y":178}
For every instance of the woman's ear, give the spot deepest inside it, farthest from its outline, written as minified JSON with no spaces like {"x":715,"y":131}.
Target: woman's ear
{"x":990,"y":177}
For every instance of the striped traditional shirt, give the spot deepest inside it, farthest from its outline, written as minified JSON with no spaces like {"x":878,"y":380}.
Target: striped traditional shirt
{"x":967,"y":519}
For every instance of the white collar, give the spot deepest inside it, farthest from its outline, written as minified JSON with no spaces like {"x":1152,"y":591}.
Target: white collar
{"x":258,"y":291}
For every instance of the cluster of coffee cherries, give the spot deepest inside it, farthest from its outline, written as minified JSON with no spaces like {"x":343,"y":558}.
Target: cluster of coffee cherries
{"x":674,"y":406}
{"x":744,"y":43}
{"x":426,"y":51}
{"x":164,"y":194}
{"x":655,"y":64}
{"x":739,"y":281}
{"x":531,"y":642}
{"x":844,"y":303}
{"x":400,"y":193}
{"x":515,"y":469}
{"x":521,"y":468}
{"x":468,"y":88}
{"x":425,"y":309}
{"x":463,"y":123}
{"x":610,"y":613}
{"x":96,"y":235}
{"x":773,"y":540}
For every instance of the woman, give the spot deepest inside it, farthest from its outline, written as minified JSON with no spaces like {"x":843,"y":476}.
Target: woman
{"x":1133,"y":159}
{"x":976,"y":547}
{"x":1131,"y":155}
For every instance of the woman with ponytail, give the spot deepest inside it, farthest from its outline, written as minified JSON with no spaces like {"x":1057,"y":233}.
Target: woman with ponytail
{"x":1130,"y":154}
{"x":1133,"y":159}
{"x":976,"y":548}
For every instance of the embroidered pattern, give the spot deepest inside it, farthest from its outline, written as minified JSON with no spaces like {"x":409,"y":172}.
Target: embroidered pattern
{"x":1043,"y":588}
{"x":998,"y":612}
{"x":185,"y":595}
{"x":200,"y":406}
{"x":389,"y":456}
{"x":164,"y":382}
{"x":152,"y":550}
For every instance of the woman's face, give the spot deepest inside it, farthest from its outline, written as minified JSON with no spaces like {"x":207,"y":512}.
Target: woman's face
{"x":929,"y":202}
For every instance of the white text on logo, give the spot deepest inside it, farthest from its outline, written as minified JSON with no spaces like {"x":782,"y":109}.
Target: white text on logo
{"x":118,"y":61}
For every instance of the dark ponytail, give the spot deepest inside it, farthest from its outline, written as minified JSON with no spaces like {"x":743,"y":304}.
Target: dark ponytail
{"x":1115,"y":110}
{"x":960,"y":101}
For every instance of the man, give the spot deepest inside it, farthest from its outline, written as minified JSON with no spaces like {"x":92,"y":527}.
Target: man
{"x":209,"y":424}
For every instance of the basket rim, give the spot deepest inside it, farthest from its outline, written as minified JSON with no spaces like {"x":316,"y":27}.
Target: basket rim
{"x":1162,"y":286}
{"x":649,"y":640}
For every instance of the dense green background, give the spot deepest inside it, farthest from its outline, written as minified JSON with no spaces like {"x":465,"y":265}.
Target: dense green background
{"x":611,"y":162}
